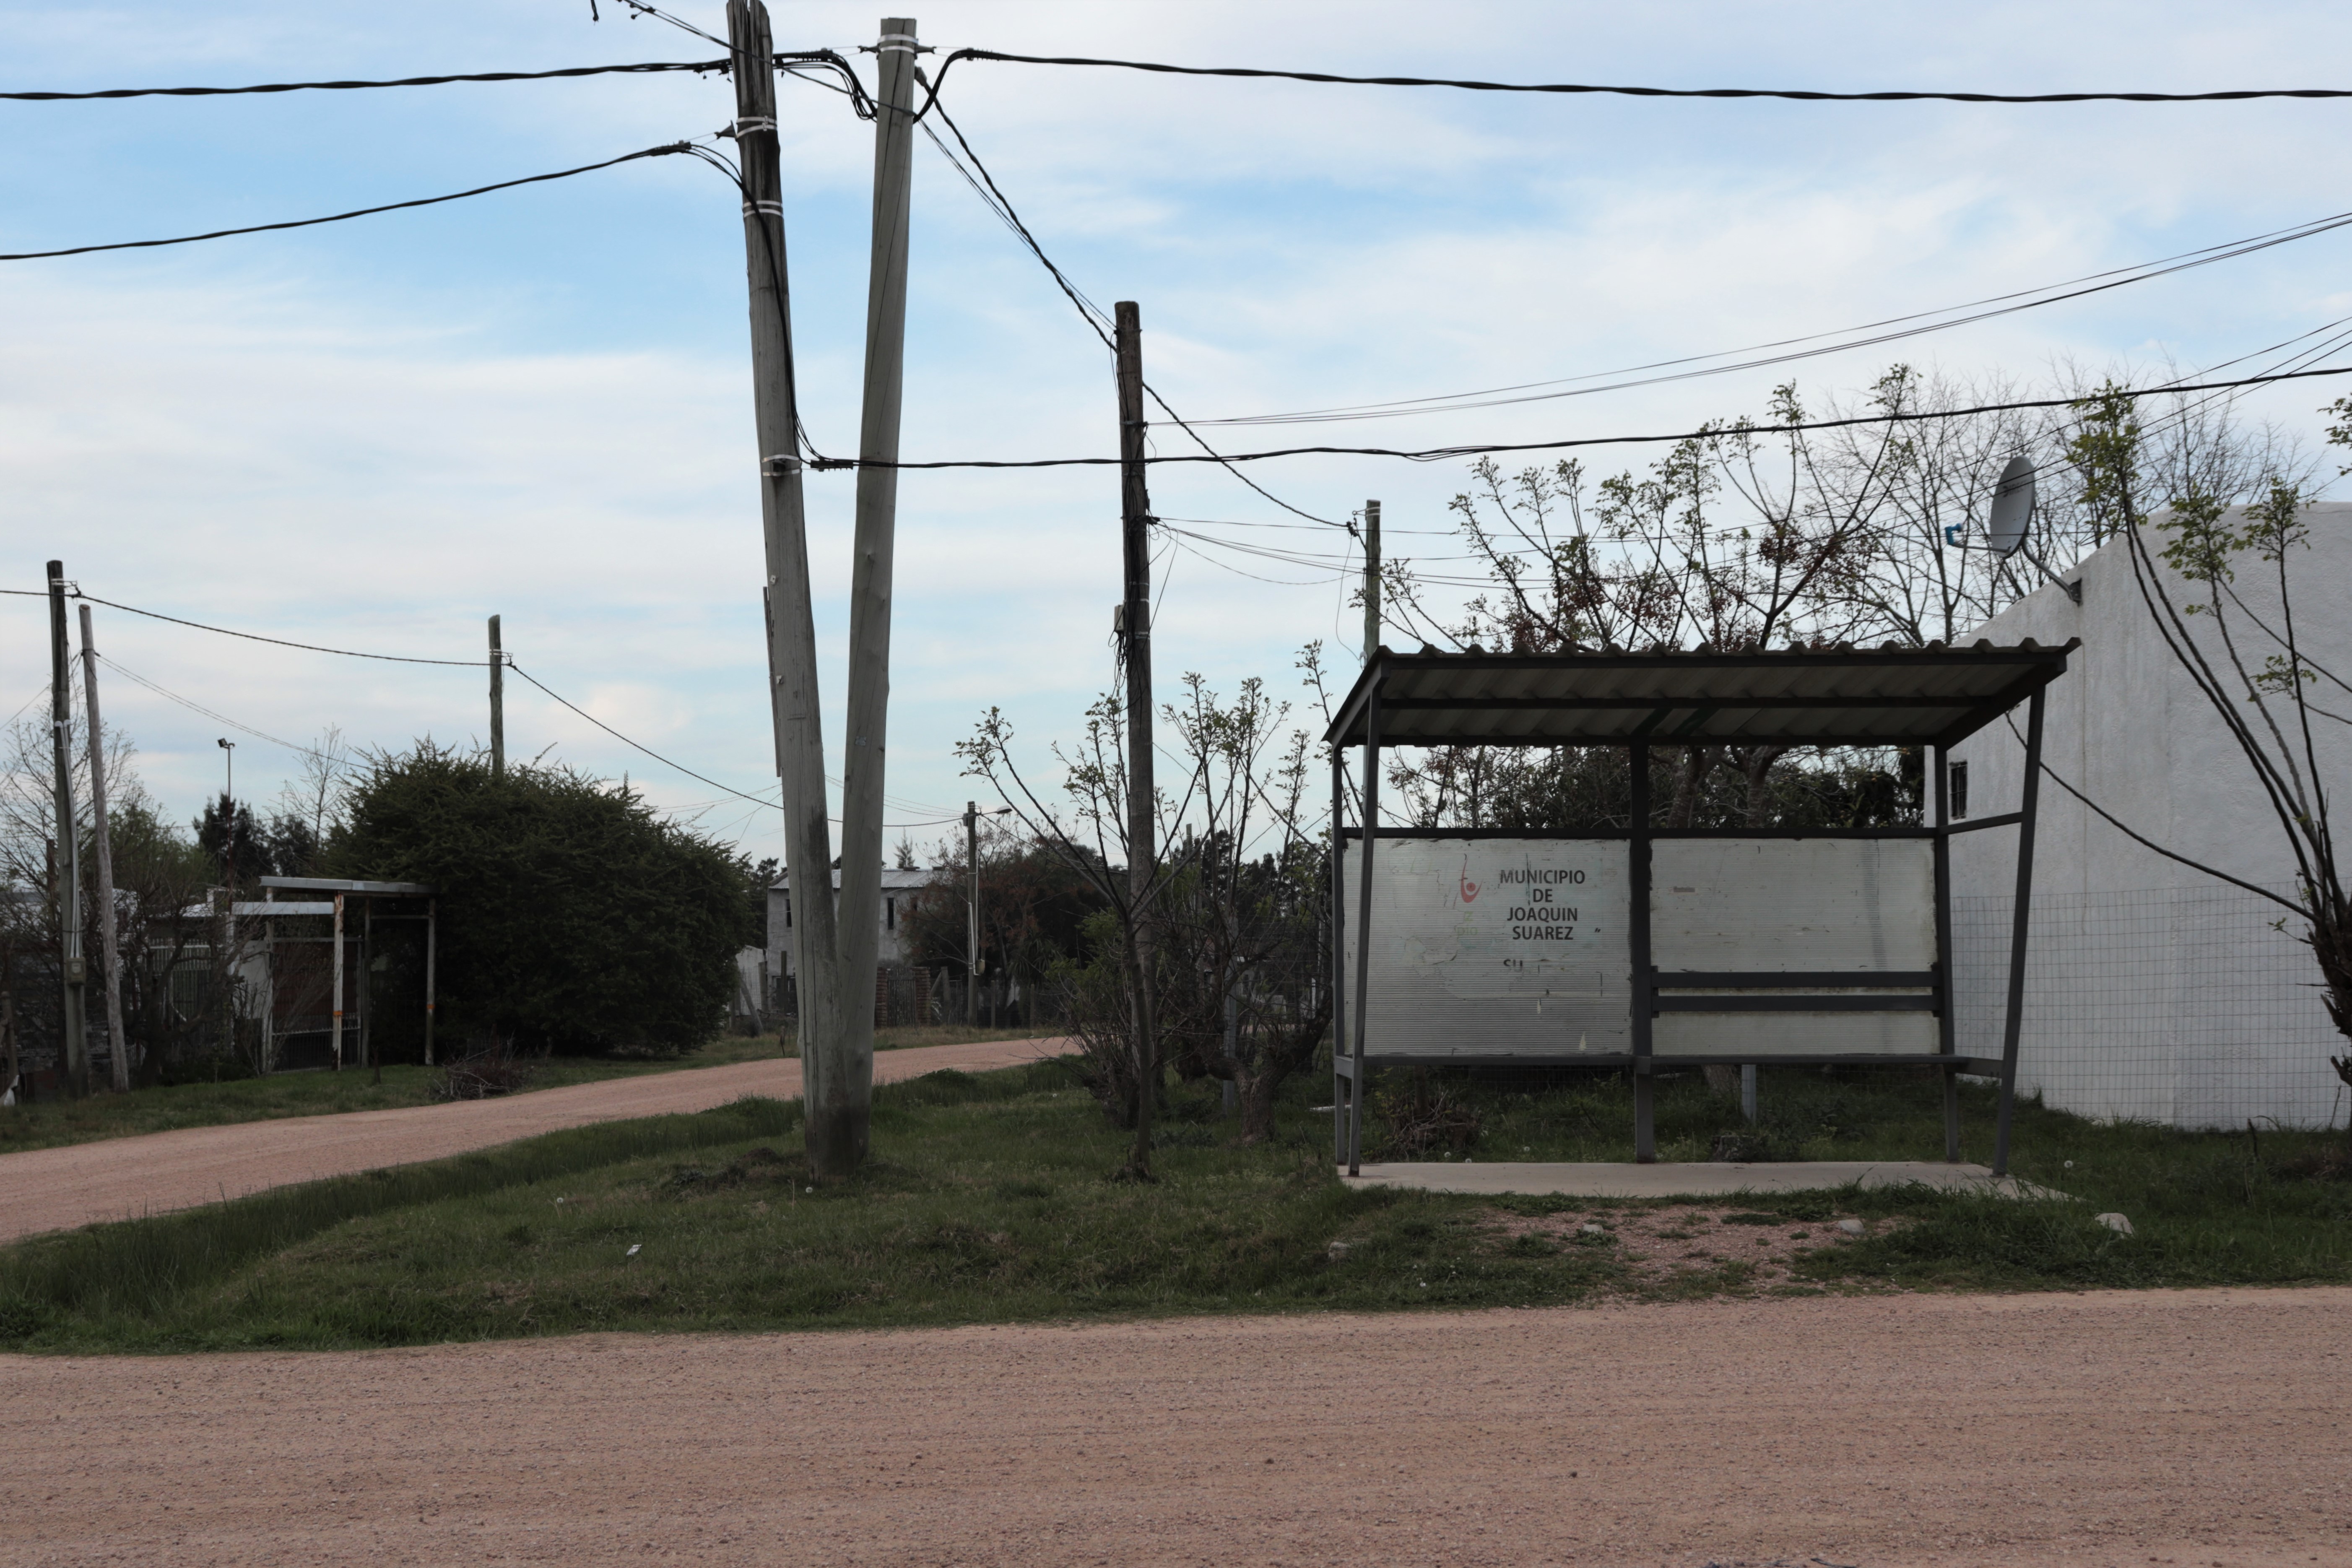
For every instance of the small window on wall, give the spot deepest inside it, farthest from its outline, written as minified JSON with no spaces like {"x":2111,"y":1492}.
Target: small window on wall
{"x":788,"y":910}
{"x":890,"y":914}
{"x":1959,"y":790}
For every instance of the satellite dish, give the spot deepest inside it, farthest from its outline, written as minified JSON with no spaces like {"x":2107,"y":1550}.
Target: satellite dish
{"x":2012,"y":506}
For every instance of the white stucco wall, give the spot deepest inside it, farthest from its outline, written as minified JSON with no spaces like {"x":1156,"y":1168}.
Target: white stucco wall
{"x":2154,"y":991}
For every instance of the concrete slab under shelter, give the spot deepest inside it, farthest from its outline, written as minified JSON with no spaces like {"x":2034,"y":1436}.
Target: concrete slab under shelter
{"x":1710,"y":1179}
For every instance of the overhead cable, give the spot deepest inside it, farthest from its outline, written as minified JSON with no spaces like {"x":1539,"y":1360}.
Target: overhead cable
{"x":1440,"y":454}
{"x":362,"y":212}
{"x":275,"y":642}
{"x":647,"y":69}
{"x":1092,"y":312}
{"x":1589,"y":89}
{"x":1529,"y":392}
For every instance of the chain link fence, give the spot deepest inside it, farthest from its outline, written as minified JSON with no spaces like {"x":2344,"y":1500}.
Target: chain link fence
{"x":2188,"y":1005}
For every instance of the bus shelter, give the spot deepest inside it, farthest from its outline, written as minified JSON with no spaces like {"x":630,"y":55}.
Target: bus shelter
{"x":1650,"y":949}
{"x":296,"y":980}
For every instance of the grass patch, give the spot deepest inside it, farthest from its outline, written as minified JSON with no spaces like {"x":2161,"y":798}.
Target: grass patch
{"x":47,"y":1123}
{"x":990,"y":1198}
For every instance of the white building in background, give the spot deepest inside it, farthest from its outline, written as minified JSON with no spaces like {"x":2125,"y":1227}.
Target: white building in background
{"x":901,"y":889}
{"x":2153,"y":991}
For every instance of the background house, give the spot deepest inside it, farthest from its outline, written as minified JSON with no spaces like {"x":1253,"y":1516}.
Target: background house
{"x":900,"y":889}
{"x":2154,"y":991}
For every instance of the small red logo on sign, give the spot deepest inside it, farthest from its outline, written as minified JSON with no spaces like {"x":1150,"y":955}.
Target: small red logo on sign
{"x":1469,"y":888}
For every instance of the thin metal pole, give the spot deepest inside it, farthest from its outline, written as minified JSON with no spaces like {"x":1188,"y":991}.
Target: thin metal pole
{"x":839,"y":1121}
{"x":1371,"y":579}
{"x":72,"y":966}
{"x":1645,"y":1137}
{"x":337,"y":981}
{"x":791,"y":618}
{"x":971,"y":914}
{"x":367,"y":973}
{"x":1342,"y":1067}
{"x":497,"y":704}
{"x":1947,"y":1038}
{"x":2017,"y":934}
{"x":110,"y":952}
{"x":432,"y":954}
{"x":1371,"y":825}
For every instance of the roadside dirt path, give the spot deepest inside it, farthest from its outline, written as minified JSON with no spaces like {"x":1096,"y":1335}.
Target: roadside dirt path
{"x":1887,"y":1432}
{"x":57,"y":1189}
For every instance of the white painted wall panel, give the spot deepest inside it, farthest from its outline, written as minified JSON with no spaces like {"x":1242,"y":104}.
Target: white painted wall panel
{"x":1836,"y":904}
{"x":1495,"y":947}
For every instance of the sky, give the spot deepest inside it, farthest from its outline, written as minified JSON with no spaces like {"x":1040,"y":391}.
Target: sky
{"x":537,"y":403}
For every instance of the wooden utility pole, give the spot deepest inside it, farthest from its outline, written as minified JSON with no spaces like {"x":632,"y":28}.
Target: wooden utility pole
{"x":109,"y":948}
{"x":849,"y":1091}
{"x":971,"y":923}
{"x":497,"y":704}
{"x":792,"y":624}
{"x":1135,"y":647}
{"x":1372,"y":578}
{"x":73,"y":966}
{"x":337,"y":981}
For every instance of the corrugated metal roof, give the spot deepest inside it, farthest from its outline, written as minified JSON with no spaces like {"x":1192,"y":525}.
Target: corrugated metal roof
{"x":1810,"y":697}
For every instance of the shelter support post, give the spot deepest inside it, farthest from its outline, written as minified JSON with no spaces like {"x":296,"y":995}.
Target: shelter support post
{"x":337,"y":981}
{"x":1372,"y":826}
{"x":1946,"y":1043}
{"x":1645,"y":1140}
{"x":1342,"y":1080}
{"x":432,"y":951}
{"x":2014,"y":1017}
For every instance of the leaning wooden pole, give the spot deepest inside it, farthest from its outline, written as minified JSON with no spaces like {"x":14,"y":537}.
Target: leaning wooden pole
{"x":839,"y":1118}
{"x":110,"y":950}
{"x":791,"y":623}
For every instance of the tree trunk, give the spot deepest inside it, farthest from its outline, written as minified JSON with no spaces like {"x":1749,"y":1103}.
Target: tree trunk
{"x":1696,"y":762}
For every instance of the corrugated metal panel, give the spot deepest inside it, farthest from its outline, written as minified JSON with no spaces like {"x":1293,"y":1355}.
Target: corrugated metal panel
{"x":1495,"y":946}
{"x":1821,"y":696}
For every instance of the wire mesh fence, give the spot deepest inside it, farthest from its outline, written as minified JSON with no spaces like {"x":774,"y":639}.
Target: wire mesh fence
{"x":2188,"y":1005}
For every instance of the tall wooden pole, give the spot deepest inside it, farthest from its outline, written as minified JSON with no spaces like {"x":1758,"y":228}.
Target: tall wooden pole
{"x":1134,"y":647}
{"x":497,"y":704}
{"x":842,"y":1113}
{"x":74,"y":967}
{"x":109,"y":948}
{"x":1372,"y":578}
{"x":792,"y":624}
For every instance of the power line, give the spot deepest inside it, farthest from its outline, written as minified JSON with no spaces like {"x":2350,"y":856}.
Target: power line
{"x":637,"y":745}
{"x":1496,"y":397}
{"x":252,"y":637}
{"x":1092,"y":312}
{"x":1440,"y":454}
{"x":649,"y":68}
{"x":362,"y":212}
{"x":1587,"y":88}
{"x":195,"y":707}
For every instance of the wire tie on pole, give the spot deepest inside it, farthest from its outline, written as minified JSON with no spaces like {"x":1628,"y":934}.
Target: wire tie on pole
{"x":752,"y":122}
{"x":765,"y":209}
{"x":777,"y":467}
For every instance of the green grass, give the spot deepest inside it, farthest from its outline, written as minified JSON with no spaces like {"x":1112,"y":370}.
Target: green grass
{"x":45,"y":1124}
{"x":990,"y":1198}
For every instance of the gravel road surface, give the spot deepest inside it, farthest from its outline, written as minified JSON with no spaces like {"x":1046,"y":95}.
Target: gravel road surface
{"x":1883,"y":1432}
{"x":57,"y":1189}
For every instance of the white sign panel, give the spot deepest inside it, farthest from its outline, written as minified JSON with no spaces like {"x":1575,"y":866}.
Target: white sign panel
{"x":1802,"y":905}
{"x":1494,"y":947}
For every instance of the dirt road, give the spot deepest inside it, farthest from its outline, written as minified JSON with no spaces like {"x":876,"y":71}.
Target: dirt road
{"x":2172,"y":1429}
{"x":57,"y":1189}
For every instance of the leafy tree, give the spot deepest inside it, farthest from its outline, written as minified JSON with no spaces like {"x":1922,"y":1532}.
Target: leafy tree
{"x":572,"y":917}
